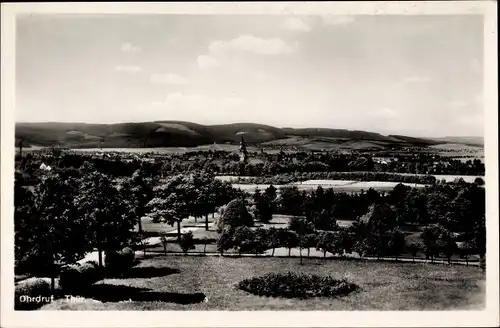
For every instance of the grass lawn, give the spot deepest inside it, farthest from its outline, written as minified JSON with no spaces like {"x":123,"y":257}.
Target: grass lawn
{"x":182,"y":283}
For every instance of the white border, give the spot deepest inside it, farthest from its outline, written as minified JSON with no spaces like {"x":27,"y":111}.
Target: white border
{"x":488,"y":317}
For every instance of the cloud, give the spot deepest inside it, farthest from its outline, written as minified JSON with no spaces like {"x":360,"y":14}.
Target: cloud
{"x":207,"y":62}
{"x":385,"y":113}
{"x":252,"y":44}
{"x":416,"y":79}
{"x":295,"y":24}
{"x":193,"y":102}
{"x":220,"y":51}
{"x":128,"y":47}
{"x":128,"y":68}
{"x":337,"y":19}
{"x":169,"y":78}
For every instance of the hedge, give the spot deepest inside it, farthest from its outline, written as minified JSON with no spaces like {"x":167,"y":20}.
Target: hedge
{"x":119,"y":263}
{"x":292,"y":285}
{"x":75,"y":278}
{"x":38,"y":290}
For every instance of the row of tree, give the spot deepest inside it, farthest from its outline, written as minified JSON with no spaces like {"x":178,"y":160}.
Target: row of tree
{"x":374,"y":234}
{"x":457,"y":207}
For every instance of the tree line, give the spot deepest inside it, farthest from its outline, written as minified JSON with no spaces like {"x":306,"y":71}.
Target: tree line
{"x":261,"y":165}
{"x":376,"y":233}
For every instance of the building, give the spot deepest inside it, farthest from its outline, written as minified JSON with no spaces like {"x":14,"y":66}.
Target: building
{"x":243,"y":151}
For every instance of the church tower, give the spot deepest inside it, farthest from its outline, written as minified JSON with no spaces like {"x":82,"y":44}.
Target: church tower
{"x":243,"y":151}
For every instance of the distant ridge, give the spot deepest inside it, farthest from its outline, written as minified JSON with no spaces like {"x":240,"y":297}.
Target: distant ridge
{"x":189,"y":134}
{"x":471,"y":141}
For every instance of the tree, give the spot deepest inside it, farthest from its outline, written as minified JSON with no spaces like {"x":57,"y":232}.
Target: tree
{"x":466,"y":249}
{"x":164,"y":242}
{"x":270,"y":195}
{"x":310,"y":240}
{"x":413,"y":248}
{"x":372,"y":230}
{"x":225,"y":240}
{"x":206,"y":241}
{"x":272,"y":239}
{"x":292,"y":240}
{"x":235,"y":215}
{"x":108,"y":212}
{"x":23,"y":214}
{"x":20,"y":145}
{"x":415,"y":210}
{"x":243,"y":239}
{"x":48,"y":228}
{"x":323,"y":220}
{"x":397,"y":242}
{"x":302,"y":227}
{"x":345,"y":242}
{"x":479,"y":237}
{"x":142,"y":192}
{"x":439,"y":205}
{"x":449,"y":246}
{"x":290,"y":200}
{"x":143,"y":242}
{"x":397,"y":198}
{"x":430,"y":236}
{"x":260,"y":240}
{"x":262,"y":210}
{"x":207,"y":196}
{"x":325,"y":240}
{"x":379,"y":217}
{"x":173,"y":201}
{"x":186,"y":242}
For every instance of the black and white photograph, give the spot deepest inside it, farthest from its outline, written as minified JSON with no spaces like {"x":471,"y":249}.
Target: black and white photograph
{"x":245,"y":160}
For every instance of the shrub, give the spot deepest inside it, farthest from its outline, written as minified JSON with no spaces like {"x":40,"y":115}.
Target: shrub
{"x":186,"y":242}
{"x":479,"y":181}
{"x":120,"y":262}
{"x":291,"y":285}
{"x":36,"y":288}
{"x":75,"y":278}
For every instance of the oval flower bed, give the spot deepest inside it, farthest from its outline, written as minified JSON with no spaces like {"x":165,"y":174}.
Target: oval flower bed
{"x":291,"y":285}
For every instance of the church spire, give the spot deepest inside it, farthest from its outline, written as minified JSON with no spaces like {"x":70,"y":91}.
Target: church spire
{"x":243,"y":151}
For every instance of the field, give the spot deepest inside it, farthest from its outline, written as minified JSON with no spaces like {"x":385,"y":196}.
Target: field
{"x":337,"y":185}
{"x":182,"y":283}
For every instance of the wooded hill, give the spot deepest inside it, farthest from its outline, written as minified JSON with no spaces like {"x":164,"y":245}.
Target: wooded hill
{"x":188,"y":134}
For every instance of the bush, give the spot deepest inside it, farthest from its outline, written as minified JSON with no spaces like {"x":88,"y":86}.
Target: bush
{"x":186,"y":242}
{"x":75,"y":278}
{"x":119,"y":263}
{"x":291,"y":285}
{"x":38,"y":289}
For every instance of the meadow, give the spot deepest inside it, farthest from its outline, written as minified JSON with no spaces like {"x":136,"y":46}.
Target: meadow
{"x":209,"y":283}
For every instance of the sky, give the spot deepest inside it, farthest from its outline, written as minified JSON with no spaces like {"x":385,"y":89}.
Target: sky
{"x":399,"y":74}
